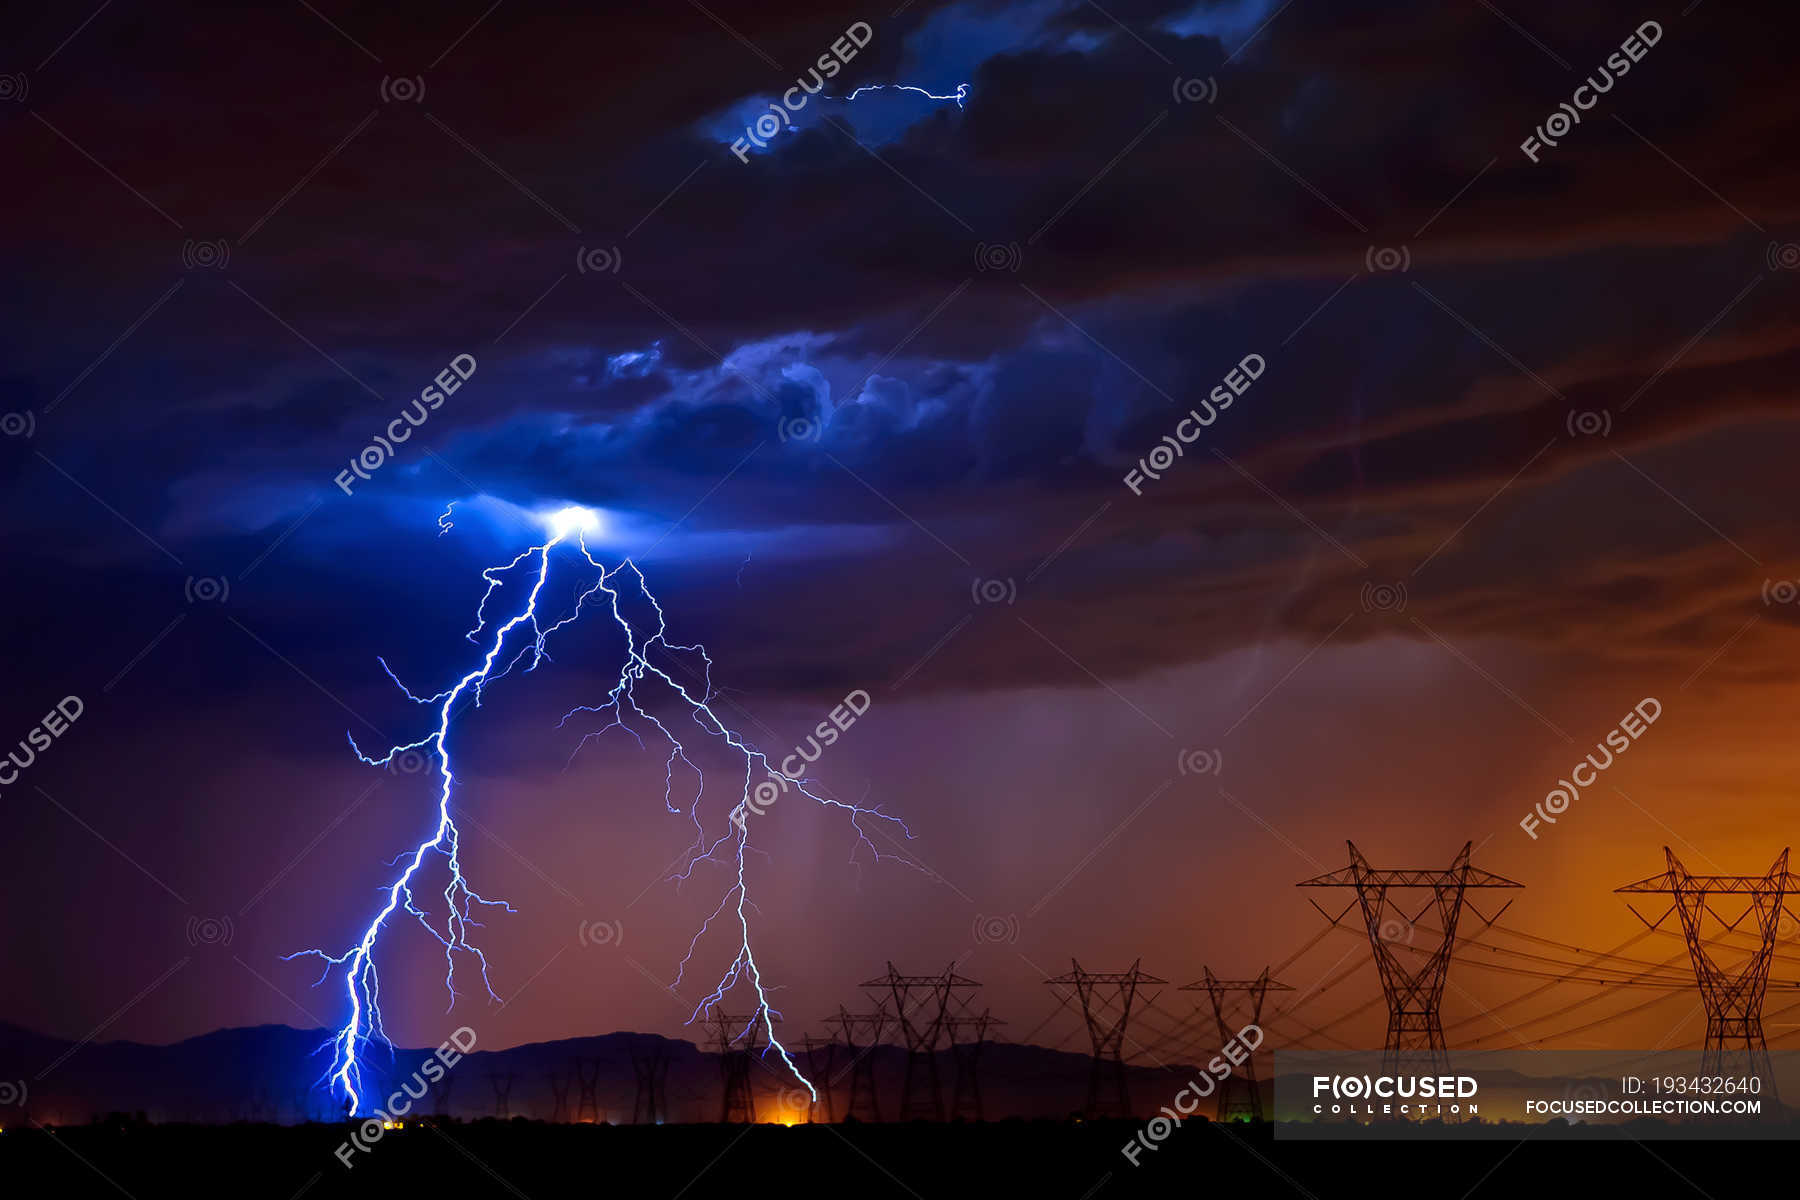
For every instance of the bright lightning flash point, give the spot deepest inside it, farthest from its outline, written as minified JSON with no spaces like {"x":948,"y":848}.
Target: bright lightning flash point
{"x":521,"y":636}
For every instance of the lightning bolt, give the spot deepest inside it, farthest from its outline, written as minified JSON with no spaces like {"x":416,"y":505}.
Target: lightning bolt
{"x":959,"y":95}
{"x":524,"y":636}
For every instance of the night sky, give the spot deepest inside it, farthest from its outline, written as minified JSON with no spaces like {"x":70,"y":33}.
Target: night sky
{"x":862,"y":409}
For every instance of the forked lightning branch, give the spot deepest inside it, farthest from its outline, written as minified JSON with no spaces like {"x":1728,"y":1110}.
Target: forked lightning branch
{"x":519,"y":641}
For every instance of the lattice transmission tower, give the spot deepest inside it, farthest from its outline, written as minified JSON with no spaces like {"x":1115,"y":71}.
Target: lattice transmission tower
{"x":503,"y":1086}
{"x":965,"y":1092}
{"x":650,"y":1066}
{"x":1415,"y":993}
{"x":921,"y":1003}
{"x":862,"y":1034}
{"x":559,"y":1097}
{"x":1107,"y":1000}
{"x":1240,"y":1097}
{"x":587,"y":1082}
{"x":821,"y":1061}
{"x":1733,"y":996}
{"x":735,"y":1039}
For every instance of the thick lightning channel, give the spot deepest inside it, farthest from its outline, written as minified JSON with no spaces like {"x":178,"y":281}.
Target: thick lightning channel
{"x":521,"y":637}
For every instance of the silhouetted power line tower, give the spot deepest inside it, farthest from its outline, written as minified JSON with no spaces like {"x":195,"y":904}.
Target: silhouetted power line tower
{"x":736,"y":1039}
{"x":921,"y":1003}
{"x":1733,"y":998}
{"x":503,"y":1085}
{"x":650,"y":1063}
{"x":1239,"y":1096}
{"x":587,"y":1082}
{"x":821,"y":1058}
{"x":559,"y":1098}
{"x":861,"y":1033}
{"x":1107,"y":998}
{"x":965,"y":1092}
{"x":440,"y":1095}
{"x":1415,"y":1032}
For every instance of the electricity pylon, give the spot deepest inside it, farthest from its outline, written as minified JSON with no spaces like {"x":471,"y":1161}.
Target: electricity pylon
{"x":1239,"y":1096}
{"x":587,"y":1078}
{"x":559,"y":1098}
{"x":862,"y":1034}
{"x":440,"y":1095}
{"x":821,"y":1055}
{"x":734,"y":1050}
{"x":1733,"y":998}
{"x":650,"y":1064}
{"x":965,"y":1092}
{"x":921,"y":1003}
{"x":503,"y":1085}
{"x":1415,"y":1032}
{"x":1106,"y":1002}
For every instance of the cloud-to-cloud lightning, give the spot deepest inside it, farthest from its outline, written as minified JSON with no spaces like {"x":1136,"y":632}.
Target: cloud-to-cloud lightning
{"x":523,"y":636}
{"x":959,"y":95}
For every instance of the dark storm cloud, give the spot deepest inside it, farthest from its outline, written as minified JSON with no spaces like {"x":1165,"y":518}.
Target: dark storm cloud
{"x":973,"y":420}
